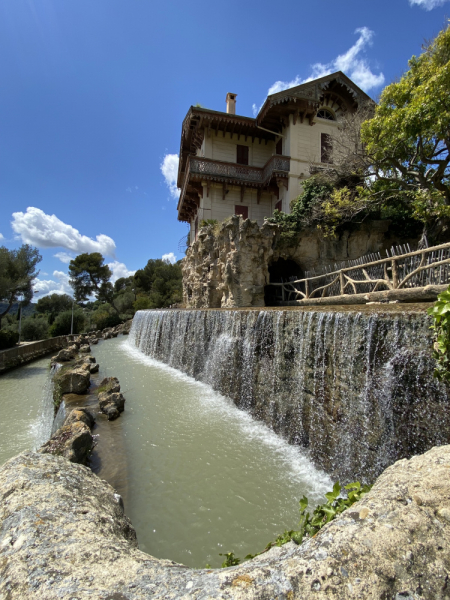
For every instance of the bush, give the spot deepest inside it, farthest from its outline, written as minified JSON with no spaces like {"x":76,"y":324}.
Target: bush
{"x":142,"y":303}
{"x":8,"y":339}
{"x":34,"y":329}
{"x":62,"y":323}
{"x":105,"y":316}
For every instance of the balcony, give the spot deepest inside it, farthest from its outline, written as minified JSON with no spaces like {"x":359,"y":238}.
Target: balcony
{"x":233,"y":173}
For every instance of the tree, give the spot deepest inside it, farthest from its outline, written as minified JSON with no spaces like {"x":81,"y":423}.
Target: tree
{"x":161,"y":281}
{"x":90,"y":277}
{"x":17,"y":273}
{"x":408,"y":139}
{"x":63,"y":323}
{"x":53,"y":305}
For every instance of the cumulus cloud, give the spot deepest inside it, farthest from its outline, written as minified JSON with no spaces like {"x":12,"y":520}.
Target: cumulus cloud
{"x":2,"y":237}
{"x":351,"y":63}
{"x":169,"y":169}
{"x":64,"y":257}
{"x":47,"y":231}
{"x":427,"y":4}
{"x":169,"y":257}
{"x":119,"y":270}
{"x":46,"y":287}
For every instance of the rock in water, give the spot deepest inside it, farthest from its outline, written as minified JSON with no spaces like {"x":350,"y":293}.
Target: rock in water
{"x":112,"y":404}
{"x":73,"y":441}
{"x":110,"y":385}
{"x":73,"y":381}
{"x":65,"y":355}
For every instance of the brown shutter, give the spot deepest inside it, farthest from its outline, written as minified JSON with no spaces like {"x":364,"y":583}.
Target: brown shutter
{"x":326,"y":148}
{"x":279,"y":147}
{"x":242,"y":155}
{"x":241,"y":210}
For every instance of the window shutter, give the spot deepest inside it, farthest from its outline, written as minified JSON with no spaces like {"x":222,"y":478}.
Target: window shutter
{"x":278,"y":205}
{"x":242,"y":155}
{"x":241,"y":210}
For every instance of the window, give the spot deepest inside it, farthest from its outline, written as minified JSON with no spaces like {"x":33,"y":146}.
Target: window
{"x":326,"y":148}
{"x":242,"y":155}
{"x":241,"y":210}
{"x":278,"y":205}
{"x":323,"y":113}
{"x":279,"y":147}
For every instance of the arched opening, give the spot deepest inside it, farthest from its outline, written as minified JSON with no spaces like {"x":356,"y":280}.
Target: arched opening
{"x":280,"y":271}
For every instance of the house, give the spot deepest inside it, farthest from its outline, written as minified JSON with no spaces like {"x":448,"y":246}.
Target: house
{"x":235,"y":165}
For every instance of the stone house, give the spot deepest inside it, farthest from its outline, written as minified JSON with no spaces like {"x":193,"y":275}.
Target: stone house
{"x":235,"y":165}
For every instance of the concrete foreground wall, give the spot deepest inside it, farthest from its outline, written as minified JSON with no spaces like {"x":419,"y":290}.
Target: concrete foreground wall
{"x":63,"y":535}
{"x":14,"y":357}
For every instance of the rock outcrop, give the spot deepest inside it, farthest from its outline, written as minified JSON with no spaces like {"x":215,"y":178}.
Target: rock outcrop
{"x":63,"y":535}
{"x":228,"y":265}
{"x":110,"y":400}
{"x":72,"y":381}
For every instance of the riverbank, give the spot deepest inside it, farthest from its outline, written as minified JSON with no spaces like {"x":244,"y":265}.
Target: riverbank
{"x":20,"y":355}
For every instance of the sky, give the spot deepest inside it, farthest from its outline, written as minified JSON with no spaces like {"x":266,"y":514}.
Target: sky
{"x":93,"y":95}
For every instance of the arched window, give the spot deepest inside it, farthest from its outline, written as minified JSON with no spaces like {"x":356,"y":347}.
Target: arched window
{"x":323,"y":113}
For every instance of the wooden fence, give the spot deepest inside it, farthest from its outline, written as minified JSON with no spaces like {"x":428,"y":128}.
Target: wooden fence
{"x":401,"y":269}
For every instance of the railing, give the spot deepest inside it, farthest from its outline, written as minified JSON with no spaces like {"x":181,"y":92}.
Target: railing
{"x":220,"y":170}
{"x":398,"y":271}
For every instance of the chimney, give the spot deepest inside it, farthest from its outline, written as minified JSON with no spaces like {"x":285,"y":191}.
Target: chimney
{"x":231,"y":103}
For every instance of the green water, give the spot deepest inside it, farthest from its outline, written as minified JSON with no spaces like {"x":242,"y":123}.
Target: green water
{"x":203,"y":477}
{"x":26,"y":408}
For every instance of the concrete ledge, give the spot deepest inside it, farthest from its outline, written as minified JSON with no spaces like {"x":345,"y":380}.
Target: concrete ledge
{"x":14,"y":357}
{"x":63,"y":535}
{"x":428,"y":293}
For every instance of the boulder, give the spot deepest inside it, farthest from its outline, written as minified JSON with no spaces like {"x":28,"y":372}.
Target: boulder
{"x":111,"y":404}
{"x":72,"y":381}
{"x":94,"y":368}
{"x":109,"y":384}
{"x":85,"y":348}
{"x":64,"y":355}
{"x":80,"y":413}
{"x":93,"y":341}
{"x":73,"y":441}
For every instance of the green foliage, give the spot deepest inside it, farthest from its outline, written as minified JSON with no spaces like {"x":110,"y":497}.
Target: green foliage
{"x":17,"y":272}
{"x":440,"y":313}
{"x":105,"y":316}
{"x":62,"y":323}
{"x":89,"y":276}
{"x":310,"y":525}
{"x":34,"y":329}
{"x":8,"y":339}
{"x":161,"y":282}
{"x":230,"y":560}
{"x":206,"y":222}
{"x":53,"y":305}
{"x":408,"y":139}
{"x":142,"y":303}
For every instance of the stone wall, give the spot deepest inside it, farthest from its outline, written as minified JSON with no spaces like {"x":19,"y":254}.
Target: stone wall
{"x":14,"y":357}
{"x":64,"y":535}
{"x":228,"y":265}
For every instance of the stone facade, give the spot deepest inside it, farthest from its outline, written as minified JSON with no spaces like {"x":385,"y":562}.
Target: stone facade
{"x":228,"y":265}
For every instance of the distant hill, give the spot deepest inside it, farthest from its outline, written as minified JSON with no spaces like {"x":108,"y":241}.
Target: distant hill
{"x":27,"y":310}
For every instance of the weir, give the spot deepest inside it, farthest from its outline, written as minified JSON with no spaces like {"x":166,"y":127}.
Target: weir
{"x":354,"y":388}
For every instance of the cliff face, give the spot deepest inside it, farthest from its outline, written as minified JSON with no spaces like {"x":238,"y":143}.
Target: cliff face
{"x":63,"y":535}
{"x":228,"y":265}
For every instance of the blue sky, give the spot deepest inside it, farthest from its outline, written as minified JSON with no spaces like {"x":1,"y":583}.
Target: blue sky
{"x":93,"y":95}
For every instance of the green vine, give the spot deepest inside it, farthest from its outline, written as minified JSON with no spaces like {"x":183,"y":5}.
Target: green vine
{"x":310,"y":525}
{"x":440,"y":313}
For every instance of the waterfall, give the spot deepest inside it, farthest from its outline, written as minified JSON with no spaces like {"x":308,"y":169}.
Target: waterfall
{"x":43,"y":427}
{"x":356,"y":389}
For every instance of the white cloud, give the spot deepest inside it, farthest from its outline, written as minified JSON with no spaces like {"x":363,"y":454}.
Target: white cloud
{"x":119,"y":270}
{"x":428,"y":4}
{"x":64,"y":257}
{"x":169,"y":168}
{"x":169,"y":257}
{"x":47,"y":231}
{"x":46,"y":287}
{"x":2,"y":237}
{"x":350,"y":63}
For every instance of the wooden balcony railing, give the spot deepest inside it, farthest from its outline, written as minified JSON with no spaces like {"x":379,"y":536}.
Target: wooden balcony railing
{"x":418,"y":269}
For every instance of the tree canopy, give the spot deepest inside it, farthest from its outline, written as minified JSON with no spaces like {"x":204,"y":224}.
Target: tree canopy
{"x":17,"y":273}
{"x":53,"y":305}
{"x":89,"y":276}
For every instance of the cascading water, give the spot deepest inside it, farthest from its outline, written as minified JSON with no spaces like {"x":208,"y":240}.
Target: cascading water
{"x":355,"y":388}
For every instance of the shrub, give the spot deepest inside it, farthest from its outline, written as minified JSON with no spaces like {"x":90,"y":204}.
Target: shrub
{"x":34,"y":329}
{"x":62,"y":323}
{"x":105,"y":316}
{"x":142,"y":303}
{"x":8,"y":339}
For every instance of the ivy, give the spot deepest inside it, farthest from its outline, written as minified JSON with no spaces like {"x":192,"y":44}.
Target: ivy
{"x":440,"y":313}
{"x":310,"y":525}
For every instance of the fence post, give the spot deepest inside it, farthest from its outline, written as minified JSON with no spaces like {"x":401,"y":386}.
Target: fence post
{"x":394,"y":274}
{"x":342,"y":282}
{"x":306,"y":289}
